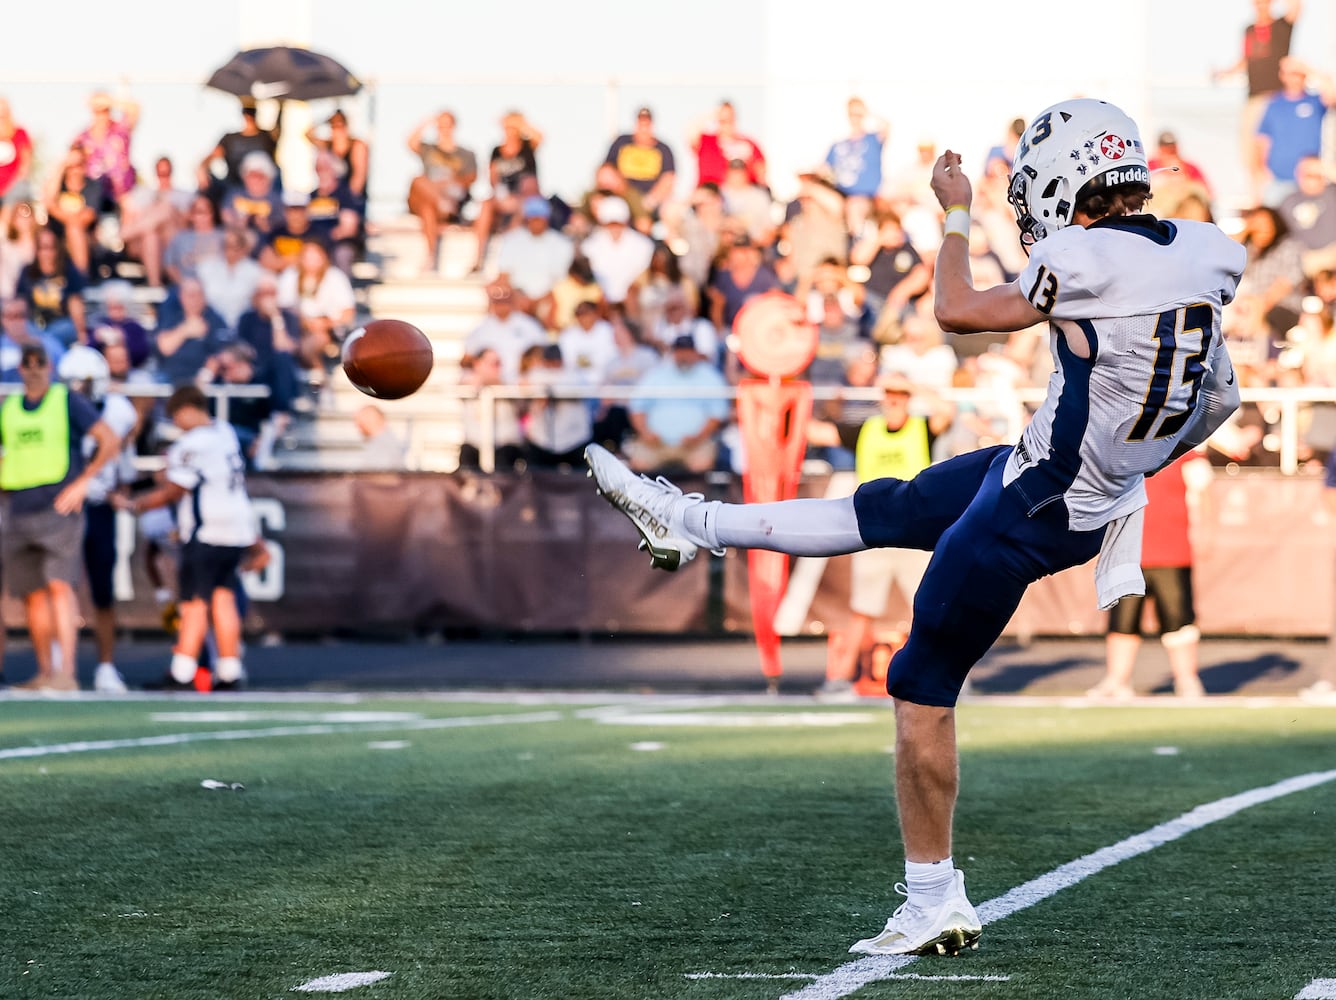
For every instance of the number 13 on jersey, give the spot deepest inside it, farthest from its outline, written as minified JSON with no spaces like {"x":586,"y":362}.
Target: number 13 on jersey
{"x":1175,"y":399}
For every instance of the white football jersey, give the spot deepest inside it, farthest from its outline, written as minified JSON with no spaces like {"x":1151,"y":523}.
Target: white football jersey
{"x":1141,"y":298}
{"x":216,"y":510}
{"x":120,"y":415}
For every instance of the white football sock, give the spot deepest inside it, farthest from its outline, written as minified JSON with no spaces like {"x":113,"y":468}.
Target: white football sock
{"x":183,"y":668}
{"x":798,"y":527}
{"x":929,"y":878}
{"x":227,"y":669}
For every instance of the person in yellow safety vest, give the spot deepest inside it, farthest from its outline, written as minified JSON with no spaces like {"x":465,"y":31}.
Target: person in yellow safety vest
{"x":898,"y":443}
{"x":44,"y":480}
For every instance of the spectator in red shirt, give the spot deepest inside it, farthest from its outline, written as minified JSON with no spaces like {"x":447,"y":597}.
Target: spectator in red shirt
{"x":1265,"y":43}
{"x":15,"y":162}
{"x":717,"y":141}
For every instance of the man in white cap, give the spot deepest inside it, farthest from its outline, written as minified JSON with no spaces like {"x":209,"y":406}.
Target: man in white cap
{"x":617,"y":253}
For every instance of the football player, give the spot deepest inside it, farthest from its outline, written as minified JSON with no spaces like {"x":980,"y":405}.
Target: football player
{"x":207,"y":482}
{"x":1141,"y":375}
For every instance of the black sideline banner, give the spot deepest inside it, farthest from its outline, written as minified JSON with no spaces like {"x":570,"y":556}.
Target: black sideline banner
{"x":395,"y":552}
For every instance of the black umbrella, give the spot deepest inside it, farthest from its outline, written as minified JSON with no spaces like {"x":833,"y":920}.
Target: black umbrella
{"x":284,"y":72}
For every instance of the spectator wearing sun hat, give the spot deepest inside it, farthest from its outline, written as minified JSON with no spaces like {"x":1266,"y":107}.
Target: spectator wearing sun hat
{"x":533,"y":257}
{"x":618,"y":254}
{"x":815,"y":228}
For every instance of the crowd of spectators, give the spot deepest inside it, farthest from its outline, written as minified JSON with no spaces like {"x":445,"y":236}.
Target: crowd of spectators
{"x":245,"y":280}
{"x":637,"y":280}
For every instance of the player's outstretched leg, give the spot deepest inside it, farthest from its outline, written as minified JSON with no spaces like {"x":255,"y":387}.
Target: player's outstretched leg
{"x":654,"y":507}
{"x":927,"y":925}
{"x":674,"y":526}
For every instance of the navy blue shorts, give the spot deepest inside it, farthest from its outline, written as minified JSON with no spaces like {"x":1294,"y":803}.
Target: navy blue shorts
{"x":988,"y":545}
{"x":205,"y":568}
{"x":99,"y":552}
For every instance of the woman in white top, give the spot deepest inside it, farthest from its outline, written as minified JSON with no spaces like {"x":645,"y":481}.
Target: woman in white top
{"x":322,"y":295}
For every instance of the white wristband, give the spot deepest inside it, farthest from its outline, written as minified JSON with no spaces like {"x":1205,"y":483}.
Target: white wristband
{"x":958,"y":222}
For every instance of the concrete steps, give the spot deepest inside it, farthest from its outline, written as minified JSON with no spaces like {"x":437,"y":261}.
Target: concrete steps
{"x":445,"y":304}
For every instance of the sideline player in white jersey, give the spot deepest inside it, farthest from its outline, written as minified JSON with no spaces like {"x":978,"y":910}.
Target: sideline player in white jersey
{"x":1141,"y":376}
{"x":86,"y":372}
{"x":206,"y":479}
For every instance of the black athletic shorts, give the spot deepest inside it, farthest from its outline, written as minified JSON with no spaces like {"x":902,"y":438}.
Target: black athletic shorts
{"x":1170,"y":587}
{"x":205,"y":568}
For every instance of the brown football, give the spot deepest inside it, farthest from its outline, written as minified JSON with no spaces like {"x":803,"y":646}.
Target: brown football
{"x":387,"y":358}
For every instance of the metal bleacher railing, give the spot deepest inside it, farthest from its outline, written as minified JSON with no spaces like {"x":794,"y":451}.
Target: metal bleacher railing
{"x":1289,"y":407}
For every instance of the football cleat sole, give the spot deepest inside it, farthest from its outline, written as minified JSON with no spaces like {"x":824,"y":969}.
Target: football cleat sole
{"x":952,"y":943}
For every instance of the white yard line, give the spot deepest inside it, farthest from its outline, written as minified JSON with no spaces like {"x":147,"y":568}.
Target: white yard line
{"x":850,"y":978}
{"x":177,"y":739}
{"x":812,"y":975}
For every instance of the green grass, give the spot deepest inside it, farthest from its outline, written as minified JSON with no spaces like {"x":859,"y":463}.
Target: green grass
{"x":549,"y":860}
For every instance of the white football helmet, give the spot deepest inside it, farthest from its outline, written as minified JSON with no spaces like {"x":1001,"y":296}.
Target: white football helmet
{"x":84,"y":364}
{"x":1071,"y":149}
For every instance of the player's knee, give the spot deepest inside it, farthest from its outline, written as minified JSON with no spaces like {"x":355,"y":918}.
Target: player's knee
{"x":1185,"y":636}
{"x":907,"y":680}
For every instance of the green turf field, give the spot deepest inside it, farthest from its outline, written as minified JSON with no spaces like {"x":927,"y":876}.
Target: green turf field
{"x":698,"y":848}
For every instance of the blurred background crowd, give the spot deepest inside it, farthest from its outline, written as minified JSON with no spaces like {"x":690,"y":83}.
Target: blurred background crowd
{"x":228,"y":266}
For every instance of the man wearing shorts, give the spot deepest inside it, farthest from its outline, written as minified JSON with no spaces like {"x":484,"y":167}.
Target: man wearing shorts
{"x":45,"y":480}
{"x":206,"y":480}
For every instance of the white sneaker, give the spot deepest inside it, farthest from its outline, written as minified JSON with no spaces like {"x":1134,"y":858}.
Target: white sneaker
{"x":108,"y":680}
{"x":654,"y":507}
{"x":924,"y":926}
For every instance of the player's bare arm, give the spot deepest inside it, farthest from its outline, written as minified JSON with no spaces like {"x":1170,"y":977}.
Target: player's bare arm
{"x":958,"y":306}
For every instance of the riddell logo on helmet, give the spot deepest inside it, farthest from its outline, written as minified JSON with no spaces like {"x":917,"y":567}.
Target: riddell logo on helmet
{"x":1126,"y":175}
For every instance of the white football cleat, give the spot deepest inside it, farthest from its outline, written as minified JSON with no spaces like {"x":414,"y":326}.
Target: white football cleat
{"x":652,"y":505}
{"x":924,"y":926}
